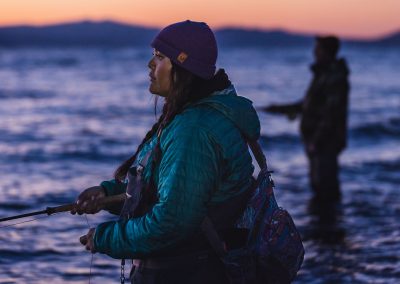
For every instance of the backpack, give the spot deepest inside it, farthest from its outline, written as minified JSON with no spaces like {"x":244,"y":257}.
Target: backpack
{"x":274,"y":251}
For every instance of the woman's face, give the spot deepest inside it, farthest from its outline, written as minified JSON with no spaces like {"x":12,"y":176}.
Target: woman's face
{"x":160,"y":74}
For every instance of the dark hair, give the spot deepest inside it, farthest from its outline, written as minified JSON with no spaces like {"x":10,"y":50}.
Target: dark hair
{"x":331,"y":44}
{"x":186,"y":88}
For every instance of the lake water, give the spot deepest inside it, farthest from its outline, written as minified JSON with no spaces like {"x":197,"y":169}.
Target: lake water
{"x":68,"y":117}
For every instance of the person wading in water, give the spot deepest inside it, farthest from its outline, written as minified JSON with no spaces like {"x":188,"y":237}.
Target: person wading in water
{"x":323,"y":123}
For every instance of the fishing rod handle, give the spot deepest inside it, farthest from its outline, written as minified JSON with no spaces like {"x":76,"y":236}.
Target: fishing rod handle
{"x":61,"y":208}
{"x":103,"y":202}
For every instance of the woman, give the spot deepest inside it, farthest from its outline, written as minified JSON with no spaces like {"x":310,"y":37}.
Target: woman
{"x":196,"y":164}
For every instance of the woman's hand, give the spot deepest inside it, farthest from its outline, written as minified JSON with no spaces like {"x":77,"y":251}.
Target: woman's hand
{"x":88,"y":201}
{"x":87,"y":240}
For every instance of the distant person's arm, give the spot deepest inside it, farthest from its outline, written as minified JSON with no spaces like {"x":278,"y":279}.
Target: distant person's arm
{"x":290,"y":110}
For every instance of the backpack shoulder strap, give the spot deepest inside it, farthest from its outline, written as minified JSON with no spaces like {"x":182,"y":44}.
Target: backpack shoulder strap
{"x":207,"y":225}
{"x":255,"y":147}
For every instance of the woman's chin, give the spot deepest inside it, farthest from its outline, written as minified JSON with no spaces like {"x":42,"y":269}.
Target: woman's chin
{"x":153,"y":90}
{"x":157,"y":93}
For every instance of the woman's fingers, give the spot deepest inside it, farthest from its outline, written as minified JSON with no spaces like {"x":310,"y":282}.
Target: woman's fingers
{"x":81,"y":203}
{"x":83,"y":240}
{"x":87,"y":201}
{"x":87,"y":240}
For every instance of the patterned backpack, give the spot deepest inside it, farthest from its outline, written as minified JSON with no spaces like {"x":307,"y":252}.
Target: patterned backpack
{"x":274,"y":251}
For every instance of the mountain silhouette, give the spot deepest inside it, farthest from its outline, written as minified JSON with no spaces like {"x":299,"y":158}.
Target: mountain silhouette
{"x":113,"y":34}
{"x":84,"y":33}
{"x":392,"y":40}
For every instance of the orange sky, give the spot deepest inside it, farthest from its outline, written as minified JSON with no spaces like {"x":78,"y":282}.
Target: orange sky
{"x":348,"y":18}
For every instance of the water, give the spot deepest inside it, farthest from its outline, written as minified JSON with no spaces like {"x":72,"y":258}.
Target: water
{"x":69,"y":117}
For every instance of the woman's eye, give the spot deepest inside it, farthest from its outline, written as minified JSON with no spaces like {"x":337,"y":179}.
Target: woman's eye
{"x":158,"y":55}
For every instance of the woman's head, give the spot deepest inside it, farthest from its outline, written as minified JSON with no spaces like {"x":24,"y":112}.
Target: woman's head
{"x":182,"y":70}
{"x":189,"y":45}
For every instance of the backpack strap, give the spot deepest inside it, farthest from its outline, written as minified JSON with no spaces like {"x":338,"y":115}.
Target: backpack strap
{"x":207,"y":225}
{"x":134,"y":187}
{"x":255,"y":147}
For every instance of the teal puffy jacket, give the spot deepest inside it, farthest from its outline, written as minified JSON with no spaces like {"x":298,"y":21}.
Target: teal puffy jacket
{"x":205,"y":161}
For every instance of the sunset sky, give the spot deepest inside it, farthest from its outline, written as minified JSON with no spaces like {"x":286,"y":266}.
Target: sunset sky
{"x":348,"y":18}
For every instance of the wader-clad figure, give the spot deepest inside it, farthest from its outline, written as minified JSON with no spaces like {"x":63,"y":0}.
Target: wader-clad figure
{"x":323,"y":123}
{"x":193,"y":163}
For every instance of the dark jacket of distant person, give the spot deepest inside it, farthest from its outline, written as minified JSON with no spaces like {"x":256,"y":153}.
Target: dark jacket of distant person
{"x":324,"y":108}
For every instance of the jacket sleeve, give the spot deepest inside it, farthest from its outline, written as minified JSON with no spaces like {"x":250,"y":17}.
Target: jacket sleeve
{"x":188,"y":174}
{"x":111,"y":187}
{"x":287,"y":109}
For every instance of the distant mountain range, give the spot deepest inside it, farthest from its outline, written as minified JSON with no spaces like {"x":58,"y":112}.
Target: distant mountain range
{"x":114,"y":34}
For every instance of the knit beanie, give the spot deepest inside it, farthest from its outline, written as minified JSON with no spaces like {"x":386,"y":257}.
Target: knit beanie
{"x":191,"y":45}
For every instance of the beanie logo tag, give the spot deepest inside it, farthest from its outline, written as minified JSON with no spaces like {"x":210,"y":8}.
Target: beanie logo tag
{"x":182,"y":57}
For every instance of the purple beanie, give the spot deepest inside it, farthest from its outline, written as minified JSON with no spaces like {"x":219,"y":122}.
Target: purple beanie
{"x":191,"y":45}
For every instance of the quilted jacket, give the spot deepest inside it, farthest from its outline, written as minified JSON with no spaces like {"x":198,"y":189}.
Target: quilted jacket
{"x":205,"y":162}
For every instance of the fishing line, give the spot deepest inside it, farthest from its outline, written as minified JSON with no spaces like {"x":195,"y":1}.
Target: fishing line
{"x":42,"y":217}
{"x":91,"y":259}
{"x":30,"y":220}
{"x":50,"y":211}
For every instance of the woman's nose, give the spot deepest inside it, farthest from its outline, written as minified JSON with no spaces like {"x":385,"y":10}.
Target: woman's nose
{"x":151,"y":63}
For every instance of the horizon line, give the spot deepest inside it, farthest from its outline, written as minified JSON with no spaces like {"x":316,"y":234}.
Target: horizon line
{"x":216,"y":28}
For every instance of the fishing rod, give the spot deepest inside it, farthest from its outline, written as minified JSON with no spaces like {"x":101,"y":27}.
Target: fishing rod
{"x":103,"y":203}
